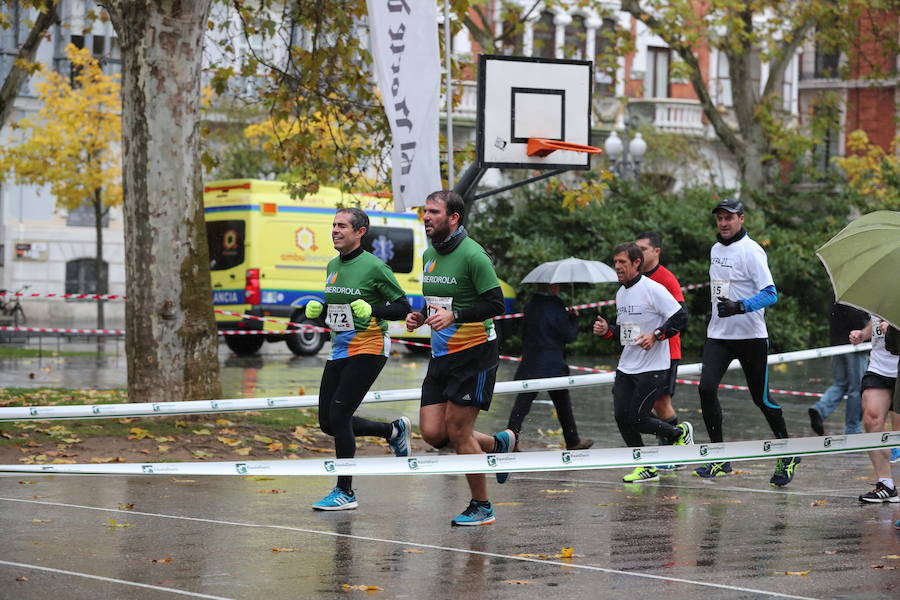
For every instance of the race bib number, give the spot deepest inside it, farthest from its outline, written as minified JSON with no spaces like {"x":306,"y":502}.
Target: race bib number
{"x":878,"y":330}
{"x":432,"y":302}
{"x":719,"y":287}
{"x":629,"y":333}
{"x":340,"y":317}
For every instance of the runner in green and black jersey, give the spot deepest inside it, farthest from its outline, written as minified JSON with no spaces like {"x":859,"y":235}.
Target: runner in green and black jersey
{"x":462,"y":295}
{"x":361,"y":295}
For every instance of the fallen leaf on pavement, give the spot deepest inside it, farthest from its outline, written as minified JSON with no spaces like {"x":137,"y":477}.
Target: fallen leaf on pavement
{"x":272,"y":491}
{"x":566,"y":552}
{"x":224,"y":422}
{"x":203,"y":431}
{"x":284,"y":549}
{"x":138,"y":434}
{"x":517,"y":581}
{"x":319,"y":450}
{"x":242,"y":451}
{"x":202,"y":454}
{"x":803,"y":573}
{"x":894,"y":556}
{"x":162,"y":560}
{"x":105,"y":459}
{"x":362,"y":588}
{"x":165,"y":439}
{"x":129,"y":506}
{"x":263,"y":438}
{"x":414,"y":551}
{"x":830,"y":551}
{"x":26,"y":483}
{"x":163,"y":448}
{"x":111,"y":523}
{"x":558,"y":491}
{"x":229,"y":441}
{"x":184,"y":480}
{"x":275,"y":447}
{"x":258,"y":478}
{"x":819,"y":502}
{"x":21,"y":578}
{"x":41,"y":521}
{"x":228,"y":431}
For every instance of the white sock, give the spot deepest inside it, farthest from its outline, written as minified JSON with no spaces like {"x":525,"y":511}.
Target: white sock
{"x":394,"y":431}
{"x":887,"y":481}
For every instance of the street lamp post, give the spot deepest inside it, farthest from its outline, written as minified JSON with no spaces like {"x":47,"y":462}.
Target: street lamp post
{"x":626,"y":155}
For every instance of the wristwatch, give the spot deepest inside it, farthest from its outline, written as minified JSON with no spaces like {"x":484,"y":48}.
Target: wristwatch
{"x":658,"y":334}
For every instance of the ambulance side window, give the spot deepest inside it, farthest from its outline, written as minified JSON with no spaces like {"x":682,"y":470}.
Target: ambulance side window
{"x":393,"y":245}
{"x":226,"y":244}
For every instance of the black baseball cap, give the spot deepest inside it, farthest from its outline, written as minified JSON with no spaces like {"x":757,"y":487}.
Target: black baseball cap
{"x":732,"y":205}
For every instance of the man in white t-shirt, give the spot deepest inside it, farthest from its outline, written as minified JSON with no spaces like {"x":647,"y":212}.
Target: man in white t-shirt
{"x":741,"y":287}
{"x":646,"y":313}
{"x":878,"y":385}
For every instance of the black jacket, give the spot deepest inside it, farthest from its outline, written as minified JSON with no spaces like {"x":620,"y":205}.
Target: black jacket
{"x":843,"y":319}
{"x":546,"y":329}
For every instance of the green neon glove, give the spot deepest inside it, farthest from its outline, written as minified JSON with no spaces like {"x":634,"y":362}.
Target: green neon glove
{"x":313,"y":309}
{"x":361,"y":309}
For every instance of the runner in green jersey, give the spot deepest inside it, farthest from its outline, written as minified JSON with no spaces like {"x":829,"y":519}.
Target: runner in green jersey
{"x":462,"y":295}
{"x":361,"y":294}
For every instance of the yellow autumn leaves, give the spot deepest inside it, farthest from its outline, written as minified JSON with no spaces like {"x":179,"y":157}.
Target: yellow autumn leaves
{"x":72,"y":144}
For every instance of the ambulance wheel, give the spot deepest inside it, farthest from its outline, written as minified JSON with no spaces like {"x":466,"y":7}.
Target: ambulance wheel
{"x":244,"y":345}
{"x":306,"y":342}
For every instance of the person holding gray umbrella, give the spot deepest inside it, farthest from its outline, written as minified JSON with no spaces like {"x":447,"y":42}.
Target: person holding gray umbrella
{"x":547,"y":328}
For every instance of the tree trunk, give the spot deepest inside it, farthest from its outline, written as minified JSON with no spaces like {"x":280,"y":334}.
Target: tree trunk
{"x":99,"y":266}
{"x":171,"y":340}
{"x":17,"y":74}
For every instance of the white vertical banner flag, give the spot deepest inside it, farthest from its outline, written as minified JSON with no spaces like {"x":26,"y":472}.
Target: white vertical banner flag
{"x":404,"y":45}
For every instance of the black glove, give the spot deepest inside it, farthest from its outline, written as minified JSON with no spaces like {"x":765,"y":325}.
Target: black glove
{"x":729,"y":308}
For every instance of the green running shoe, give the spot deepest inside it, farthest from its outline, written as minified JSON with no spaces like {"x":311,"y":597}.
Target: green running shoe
{"x":642,"y":475}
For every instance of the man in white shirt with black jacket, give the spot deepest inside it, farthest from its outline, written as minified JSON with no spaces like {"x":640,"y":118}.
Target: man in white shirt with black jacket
{"x":741,"y":288}
{"x":646,"y":313}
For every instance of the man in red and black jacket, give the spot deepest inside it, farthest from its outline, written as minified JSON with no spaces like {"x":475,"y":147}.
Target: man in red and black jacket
{"x":650,"y":243}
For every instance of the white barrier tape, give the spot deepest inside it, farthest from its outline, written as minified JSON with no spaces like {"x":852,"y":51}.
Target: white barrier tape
{"x":451,"y":464}
{"x":201,"y":407}
{"x":67,"y":296}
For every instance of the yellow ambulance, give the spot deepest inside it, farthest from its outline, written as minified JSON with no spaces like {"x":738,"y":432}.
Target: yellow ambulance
{"x":268,"y":255}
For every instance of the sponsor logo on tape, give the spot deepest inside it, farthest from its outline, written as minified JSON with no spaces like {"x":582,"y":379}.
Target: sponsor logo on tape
{"x":838,"y":441}
{"x":769,"y":445}
{"x":32,"y":411}
{"x":412,"y":463}
{"x":491,"y":460}
{"x":890,"y":436}
{"x":147,"y":468}
{"x":95,"y":410}
{"x":156,"y":407}
{"x":644,"y":453}
{"x":214,"y":404}
{"x":241,"y":468}
{"x":566,"y":457}
{"x":569,"y":457}
{"x":711,"y":449}
{"x":270,"y":401}
{"x":46,"y":468}
{"x":329,"y":466}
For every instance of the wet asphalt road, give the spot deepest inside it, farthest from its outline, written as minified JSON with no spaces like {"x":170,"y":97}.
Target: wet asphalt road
{"x":683,"y":537}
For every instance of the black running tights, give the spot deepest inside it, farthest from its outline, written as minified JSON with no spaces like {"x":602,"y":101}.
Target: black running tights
{"x":345,"y":382}
{"x":633,"y":398}
{"x":562,"y":402}
{"x":753,"y":355}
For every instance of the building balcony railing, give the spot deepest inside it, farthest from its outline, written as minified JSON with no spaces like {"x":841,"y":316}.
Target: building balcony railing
{"x":672,"y":115}
{"x":468,"y":101}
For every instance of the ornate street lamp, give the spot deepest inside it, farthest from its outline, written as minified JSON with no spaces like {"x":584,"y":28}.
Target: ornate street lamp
{"x":625,"y":156}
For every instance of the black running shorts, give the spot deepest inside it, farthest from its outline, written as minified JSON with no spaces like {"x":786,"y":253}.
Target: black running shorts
{"x":878,"y":382}
{"x":465,"y":378}
{"x":669,"y":385}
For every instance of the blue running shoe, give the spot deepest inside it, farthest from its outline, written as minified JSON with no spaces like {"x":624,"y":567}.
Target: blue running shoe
{"x":475,"y":514}
{"x":710,"y":470}
{"x":895,"y":455}
{"x":506,"y":441}
{"x":400,"y":444}
{"x":338,"y":499}
{"x":897,"y":524}
{"x":784,"y":471}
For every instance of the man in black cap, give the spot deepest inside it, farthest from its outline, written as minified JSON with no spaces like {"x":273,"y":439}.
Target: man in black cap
{"x":741,"y":288}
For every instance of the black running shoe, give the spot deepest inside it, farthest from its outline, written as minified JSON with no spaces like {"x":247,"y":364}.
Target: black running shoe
{"x":881,"y":493}
{"x":815,"y":421}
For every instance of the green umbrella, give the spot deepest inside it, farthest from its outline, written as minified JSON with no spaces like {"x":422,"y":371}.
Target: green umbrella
{"x":863,"y":262}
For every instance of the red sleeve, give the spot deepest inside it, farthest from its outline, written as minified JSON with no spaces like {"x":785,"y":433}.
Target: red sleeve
{"x":668,"y":281}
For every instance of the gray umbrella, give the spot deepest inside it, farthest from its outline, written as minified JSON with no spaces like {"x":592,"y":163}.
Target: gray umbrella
{"x":571,"y":270}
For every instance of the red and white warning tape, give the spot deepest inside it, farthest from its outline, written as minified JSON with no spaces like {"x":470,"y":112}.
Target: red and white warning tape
{"x":67,"y":296}
{"x":64,"y":330}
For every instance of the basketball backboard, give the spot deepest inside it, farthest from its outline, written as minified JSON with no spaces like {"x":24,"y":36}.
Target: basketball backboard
{"x":521,"y":98}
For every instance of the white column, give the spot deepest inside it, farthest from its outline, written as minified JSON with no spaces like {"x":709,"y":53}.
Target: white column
{"x":591,"y":25}
{"x":560,"y":20}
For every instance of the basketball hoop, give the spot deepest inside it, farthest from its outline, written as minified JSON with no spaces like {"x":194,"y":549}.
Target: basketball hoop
{"x":543,"y":147}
